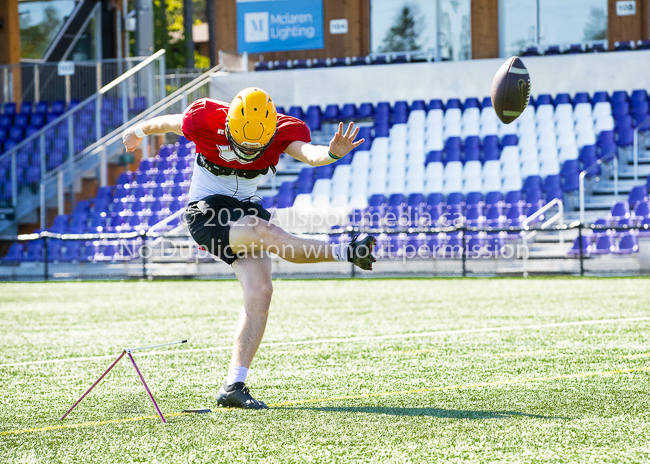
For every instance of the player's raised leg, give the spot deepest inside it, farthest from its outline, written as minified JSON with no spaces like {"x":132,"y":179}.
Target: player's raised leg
{"x":254,"y":274}
{"x":251,"y":235}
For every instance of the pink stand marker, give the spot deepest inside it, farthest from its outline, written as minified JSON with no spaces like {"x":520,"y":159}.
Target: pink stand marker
{"x":128,"y":352}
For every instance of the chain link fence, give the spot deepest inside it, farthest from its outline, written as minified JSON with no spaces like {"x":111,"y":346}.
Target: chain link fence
{"x":453,"y":251}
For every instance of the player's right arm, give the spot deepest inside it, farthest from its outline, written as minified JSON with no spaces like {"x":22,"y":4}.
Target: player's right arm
{"x":160,"y":125}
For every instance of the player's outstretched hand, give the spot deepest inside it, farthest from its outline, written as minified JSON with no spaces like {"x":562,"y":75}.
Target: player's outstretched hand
{"x":130,"y":140}
{"x":342,"y":144}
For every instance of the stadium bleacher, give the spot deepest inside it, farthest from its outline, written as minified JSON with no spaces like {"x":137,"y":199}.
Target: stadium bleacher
{"x":18,"y":123}
{"x":422,"y":57}
{"x":423,"y":164}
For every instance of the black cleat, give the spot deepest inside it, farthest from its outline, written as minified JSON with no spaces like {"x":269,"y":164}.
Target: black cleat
{"x":237,"y":395}
{"x":360,"y":253}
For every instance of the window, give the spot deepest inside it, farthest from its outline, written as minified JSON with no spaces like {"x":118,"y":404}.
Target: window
{"x":441,"y":27}
{"x":550,"y":22}
{"x":40,"y":22}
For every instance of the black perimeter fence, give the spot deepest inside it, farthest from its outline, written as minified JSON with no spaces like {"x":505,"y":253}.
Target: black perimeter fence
{"x":454,"y":251}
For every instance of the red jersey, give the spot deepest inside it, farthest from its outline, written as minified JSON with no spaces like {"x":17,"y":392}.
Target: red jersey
{"x":204,"y":123}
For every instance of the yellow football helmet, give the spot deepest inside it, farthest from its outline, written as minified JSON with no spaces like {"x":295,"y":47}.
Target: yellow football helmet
{"x":251,"y":123}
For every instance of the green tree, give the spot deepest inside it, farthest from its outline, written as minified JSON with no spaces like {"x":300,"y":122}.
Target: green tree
{"x":403,"y":36}
{"x":168,"y":31}
{"x":34,"y":39}
{"x":596,"y":27}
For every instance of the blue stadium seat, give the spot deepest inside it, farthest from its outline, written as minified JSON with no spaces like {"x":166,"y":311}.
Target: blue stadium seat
{"x":400,"y":112}
{"x":596,"y":48}
{"x":349,"y":111}
{"x":314,"y":117}
{"x":332,"y":113}
{"x":10,"y":109}
{"x":58,"y":107}
{"x":628,"y":244}
{"x":435,"y":104}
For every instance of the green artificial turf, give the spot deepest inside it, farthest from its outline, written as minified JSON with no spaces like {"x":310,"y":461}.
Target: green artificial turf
{"x":487,"y":395}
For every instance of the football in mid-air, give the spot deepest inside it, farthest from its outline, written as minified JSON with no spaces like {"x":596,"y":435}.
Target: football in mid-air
{"x":511,"y":90}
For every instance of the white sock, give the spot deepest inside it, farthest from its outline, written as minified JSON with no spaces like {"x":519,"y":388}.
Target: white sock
{"x":340,"y":252}
{"x":236,"y":374}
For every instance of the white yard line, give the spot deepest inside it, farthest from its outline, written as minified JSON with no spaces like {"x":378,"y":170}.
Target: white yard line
{"x":351,"y":339}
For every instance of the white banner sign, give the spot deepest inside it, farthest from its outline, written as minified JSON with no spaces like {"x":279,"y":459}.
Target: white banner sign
{"x":66,"y":68}
{"x":339,"y":26}
{"x":626,"y":8}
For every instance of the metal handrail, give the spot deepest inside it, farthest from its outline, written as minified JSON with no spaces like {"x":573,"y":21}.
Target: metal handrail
{"x":117,"y":133}
{"x":582,"y":176}
{"x":131,"y":72}
{"x":526,"y":236}
{"x":99,"y":147}
{"x":81,"y":105}
{"x":636,"y":147}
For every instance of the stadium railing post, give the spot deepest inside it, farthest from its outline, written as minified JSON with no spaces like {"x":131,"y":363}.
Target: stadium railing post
{"x":45,"y":259}
{"x":464,"y":252}
{"x":143,"y":234}
{"x":582,"y":264}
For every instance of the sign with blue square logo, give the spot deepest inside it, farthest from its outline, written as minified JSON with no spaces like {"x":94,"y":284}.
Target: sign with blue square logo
{"x":279,"y":25}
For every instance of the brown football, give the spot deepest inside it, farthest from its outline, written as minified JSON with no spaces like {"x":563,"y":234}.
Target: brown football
{"x":511,"y":90}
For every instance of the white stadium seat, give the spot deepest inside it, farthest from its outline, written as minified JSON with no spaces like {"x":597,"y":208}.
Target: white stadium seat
{"x":472,"y":184}
{"x":585,"y":136}
{"x":302,"y":201}
{"x":548,"y":152}
{"x":453,"y":129}
{"x":488,"y":128}
{"x":435,"y":120}
{"x":549,"y":167}
{"x":604,"y":123}
{"x":565,"y":136}
{"x":509,"y":155}
{"x":453,"y":116}
{"x":396,"y":181}
{"x":489,"y":122}
{"x":471,"y":122}
{"x":510,"y":170}
{"x":564,"y":113}
{"x":568,"y":152}
{"x":528,"y":139}
{"x":341,"y":178}
{"x":397,"y":138}
{"x":544,"y":113}
{"x":529,"y":167}
{"x":414,"y":181}
{"x":527,"y":152}
{"x":434,"y":178}
{"x":546,"y":140}
{"x":453,"y":177}
{"x":527,"y":115}
{"x":546,"y":128}
{"x":507,"y":129}
{"x":470,"y":128}
{"x":582,"y":112}
{"x":602,"y":109}
{"x":472,"y":169}
{"x":528,"y":125}
{"x":320,"y":195}
{"x":491,"y":176}
{"x":511,"y":183}
{"x":358,"y":201}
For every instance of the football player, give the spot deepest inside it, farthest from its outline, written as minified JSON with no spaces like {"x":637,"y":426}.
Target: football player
{"x":236,"y":144}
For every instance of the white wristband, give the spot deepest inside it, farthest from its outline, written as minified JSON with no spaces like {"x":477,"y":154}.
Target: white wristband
{"x":137,"y":130}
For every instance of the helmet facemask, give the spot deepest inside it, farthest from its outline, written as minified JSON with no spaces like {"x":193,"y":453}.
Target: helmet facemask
{"x":248,"y":153}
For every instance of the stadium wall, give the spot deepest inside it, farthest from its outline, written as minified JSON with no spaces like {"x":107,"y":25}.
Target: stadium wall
{"x":413,"y":81}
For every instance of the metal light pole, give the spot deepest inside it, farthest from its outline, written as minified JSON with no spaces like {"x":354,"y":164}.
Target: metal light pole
{"x":188,"y":20}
